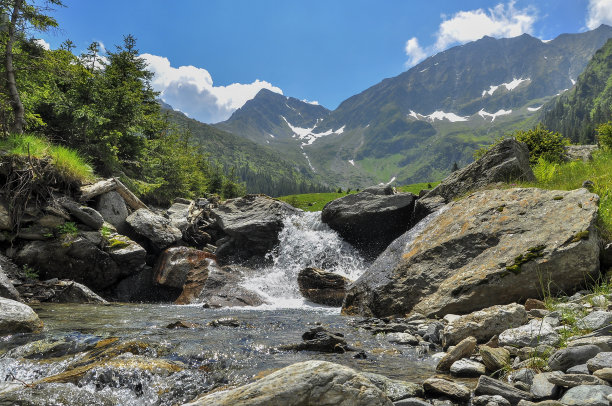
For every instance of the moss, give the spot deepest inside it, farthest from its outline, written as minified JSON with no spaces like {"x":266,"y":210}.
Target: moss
{"x":583,"y":235}
{"x":116,"y":243}
{"x":501,"y":208}
{"x":532,"y":253}
{"x":558,"y":197}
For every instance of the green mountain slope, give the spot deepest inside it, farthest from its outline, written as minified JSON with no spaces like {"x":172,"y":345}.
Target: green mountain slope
{"x":579,"y":111}
{"x":262,"y":169}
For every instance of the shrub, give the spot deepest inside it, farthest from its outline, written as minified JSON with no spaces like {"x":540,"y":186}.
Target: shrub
{"x":604,"y":135}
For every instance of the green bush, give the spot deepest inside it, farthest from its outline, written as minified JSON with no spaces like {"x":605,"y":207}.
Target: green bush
{"x":604,"y":135}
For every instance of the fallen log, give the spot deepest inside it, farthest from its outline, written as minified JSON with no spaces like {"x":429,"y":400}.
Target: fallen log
{"x":90,"y":191}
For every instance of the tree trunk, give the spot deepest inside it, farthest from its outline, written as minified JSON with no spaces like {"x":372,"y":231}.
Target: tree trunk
{"x":16,"y":104}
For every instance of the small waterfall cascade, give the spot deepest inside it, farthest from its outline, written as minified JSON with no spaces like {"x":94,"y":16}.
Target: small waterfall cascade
{"x":304,"y":242}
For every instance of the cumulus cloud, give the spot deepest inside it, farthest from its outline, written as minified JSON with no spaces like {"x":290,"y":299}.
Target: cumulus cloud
{"x":41,"y":42}
{"x":191,"y":90}
{"x":503,"y":20}
{"x":414,"y":51}
{"x":599,"y":12}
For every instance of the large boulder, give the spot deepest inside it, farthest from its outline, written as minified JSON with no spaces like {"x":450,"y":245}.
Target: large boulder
{"x":322,"y":287}
{"x":86,"y":215}
{"x":305,"y":383}
{"x":154,"y":228}
{"x":484,"y":324}
{"x":175,"y":263}
{"x":16,"y":317}
{"x":504,"y":162}
{"x":492,"y":247}
{"x":113,"y":209}
{"x":252,"y":222}
{"x":59,"y":291}
{"x":372,"y":219}
{"x":7,"y":290}
{"x":178,"y":214}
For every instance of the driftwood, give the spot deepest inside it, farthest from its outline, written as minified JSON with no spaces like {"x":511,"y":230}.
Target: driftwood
{"x":90,"y":191}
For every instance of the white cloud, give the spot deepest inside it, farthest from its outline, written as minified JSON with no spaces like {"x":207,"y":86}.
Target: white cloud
{"x":191,"y":90}
{"x":599,"y":12}
{"x":503,"y":20}
{"x":41,"y":42}
{"x":414,"y":51}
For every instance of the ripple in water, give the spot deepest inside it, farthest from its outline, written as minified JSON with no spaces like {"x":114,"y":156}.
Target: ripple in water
{"x":304,"y":242}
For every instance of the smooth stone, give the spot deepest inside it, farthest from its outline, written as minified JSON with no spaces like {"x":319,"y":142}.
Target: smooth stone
{"x":490,"y":386}
{"x":604,"y":373}
{"x":524,"y":375}
{"x":535,"y":333}
{"x":579,"y":369}
{"x":595,"y":320}
{"x":541,"y":388}
{"x":587,"y":395}
{"x":402,"y":338}
{"x":466,"y":367}
{"x":494,"y":358}
{"x":461,"y":350}
{"x":412,"y":402}
{"x":445,"y":387}
{"x":531,"y":304}
{"x":394,"y":389}
{"x":566,"y":358}
{"x":16,"y":317}
{"x":572,"y":380}
{"x":603,"y":342}
{"x":542,"y":403}
{"x":600,"y":361}
{"x":155,"y":228}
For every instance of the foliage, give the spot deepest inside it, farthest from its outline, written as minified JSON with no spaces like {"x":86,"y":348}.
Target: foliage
{"x":30,"y":272}
{"x":604,"y":135}
{"x":68,"y":229}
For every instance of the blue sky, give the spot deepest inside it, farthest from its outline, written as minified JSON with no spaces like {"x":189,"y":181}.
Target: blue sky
{"x":211,"y":56}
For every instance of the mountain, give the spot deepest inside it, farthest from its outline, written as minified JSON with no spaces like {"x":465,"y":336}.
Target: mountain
{"x":415,"y":126}
{"x":263,"y":169}
{"x":578,"y":112}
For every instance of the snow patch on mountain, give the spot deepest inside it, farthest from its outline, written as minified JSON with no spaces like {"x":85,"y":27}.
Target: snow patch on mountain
{"x":482,"y":113}
{"x":509,"y":86}
{"x":438,"y":115}
{"x":307,"y":134}
{"x":534,"y":108}
{"x":351,"y":162}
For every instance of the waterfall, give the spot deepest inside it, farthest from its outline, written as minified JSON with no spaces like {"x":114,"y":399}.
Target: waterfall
{"x":304,"y":242}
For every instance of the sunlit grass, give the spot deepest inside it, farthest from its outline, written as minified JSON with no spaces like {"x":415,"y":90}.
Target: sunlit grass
{"x":68,"y":163}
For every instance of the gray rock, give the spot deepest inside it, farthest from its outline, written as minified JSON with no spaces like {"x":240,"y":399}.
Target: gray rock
{"x":484,"y":324}
{"x":127,"y":254}
{"x":462,"y":350}
{"x":113,"y":209}
{"x":489,"y":400}
{"x":579,"y":369}
{"x":434,"y":332}
{"x":394,"y":389}
{"x":154,"y":228}
{"x":59,"y":291}
{"x":579,"y":152}
{"x":524,"y":375}
{"x":572,"y":380}
{"x":304,"y":383}
{"x":370,"y":221}
{"x":506,"y":161}
{"x":494,"y":359}
{"x":600,"y":361}
{"x":412,"y":402}
{"x":566,"y":358}
{"x":541,"y":403}
{"x":535,"y":333}
{"x":587,"y":395}
{"x":490,"y":386}
{"x":402,"y":339}
{"x":485,"y":249}
{"x":175,"y":263}
{"x":603,"y":342}
{"x":178,"y":214}
{"x":322,"y":287}
{"x":86,"y":215}
{"x":7,"y":290}
{"x":16,"y":317}
{"x":604,"y":373}
{"x":253,"y":222}
{"x":444,"y":387}
{"x":595,"y":320}
{"x":542,"y":388}
{"x":467,"y":368}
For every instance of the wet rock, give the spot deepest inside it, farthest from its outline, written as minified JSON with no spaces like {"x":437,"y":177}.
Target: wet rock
{"x":461,"y":350}
{"x":587,"y":395}
{"x":183,"y":324}
{"x":322,"y":287}
{"x":59,"y":291}
{"x":600,"y":361}
{"x":536,"y":332}
{"x":489,"y":400}
{"x":504,"y":162}
{"x":444,"y":387}
{"x":494,"y":358}
{"x":434,"y":332}
{"x":394,"y":389}
{"x":566,"y":358}
{"x":370,"y":221}
{"x":402,"y":339}
{"x":113,"y":210}
{"x":86,"y":215}
{"x":572,"y":380}
{"x":490,"y":386}
{"x":304,"y":383}
{"x":484,"y":324}
{"x":595,"y":320}
{"x":224,"y":322}
{"x":140,"y":287}
{"x":253,"y":222}
{"x":467,"y":368}
{"x":485,"y":249}
{"x":16,"y":317}
{"x":154,"y":228}
{"x":320,"y":340}
{"x":542,"y":388}
{"x":7,"y":290}
{"x":175,"y":263}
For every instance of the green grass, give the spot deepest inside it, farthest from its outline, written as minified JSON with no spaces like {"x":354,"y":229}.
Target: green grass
{"x":68,"y":163}
{"x":316,"y":201}
{"x":570,"y":175}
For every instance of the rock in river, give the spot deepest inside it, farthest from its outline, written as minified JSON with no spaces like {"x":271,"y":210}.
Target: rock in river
{"x":491,"y":247}
{"x":322,"y":287}
{"x":17,"y":317}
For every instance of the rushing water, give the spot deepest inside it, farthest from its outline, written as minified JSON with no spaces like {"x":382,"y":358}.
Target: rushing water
{"x":203,"y":357}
